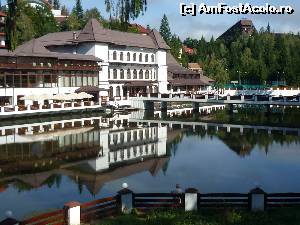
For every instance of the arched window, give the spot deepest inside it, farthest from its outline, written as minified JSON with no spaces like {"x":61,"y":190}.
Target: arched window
{"x":152,"y":58}
{"x":121,"y":74}
{"x":128,"y":74}
{"x":141,"y":57}
{"x":114,"y":55}
{"x":147,"y":74}
{"x":118,"y":92}
{"x":134,"y":74}
{"x":141,"y":74}
{"x":146,"y":58}
{"x":134,"y":56}
{"x":115,"y":74}
{"x":121,"y":56}
{"x":128,"y":56}
{"x":111,"y":92}
{"x":108,"y":73}
{"x":154,"y":77}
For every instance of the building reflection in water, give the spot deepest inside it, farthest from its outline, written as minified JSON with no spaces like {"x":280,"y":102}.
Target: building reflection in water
{"x":91,"y":151}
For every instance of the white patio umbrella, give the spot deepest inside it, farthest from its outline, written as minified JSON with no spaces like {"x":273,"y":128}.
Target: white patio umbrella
{"x":59,"y":97}
{"x":43,"y":97}
{"x":85,"y":95}
{"x":29,"y":97}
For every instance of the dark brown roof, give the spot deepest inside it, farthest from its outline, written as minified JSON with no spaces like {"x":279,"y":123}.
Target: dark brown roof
{"x":89,"y":89}
{"x":35,"y":48}
{"x":188,"y":82}
{"x":94,"y":32}
{"x":138,"y":84}
{"x":175,"y":68}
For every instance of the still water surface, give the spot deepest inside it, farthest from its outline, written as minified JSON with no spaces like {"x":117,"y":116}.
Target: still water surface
{"x":49,"y":162}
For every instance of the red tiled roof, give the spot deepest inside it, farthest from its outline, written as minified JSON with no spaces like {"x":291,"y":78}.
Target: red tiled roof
{"x":188,"y":50}
{"x":140,"y":28}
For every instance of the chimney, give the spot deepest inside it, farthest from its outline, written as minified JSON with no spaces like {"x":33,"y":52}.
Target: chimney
{"x":74,"y":36}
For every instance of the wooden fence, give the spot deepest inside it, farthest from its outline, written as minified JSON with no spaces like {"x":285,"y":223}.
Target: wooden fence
{"x":55,"y":218}
{"x":99,"y":208}
{"x":148,"y":201}
{"x":126,"y":200}
{"x":223,"y":200}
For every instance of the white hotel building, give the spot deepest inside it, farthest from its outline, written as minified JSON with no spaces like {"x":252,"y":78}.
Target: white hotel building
{"x":130,"y":64}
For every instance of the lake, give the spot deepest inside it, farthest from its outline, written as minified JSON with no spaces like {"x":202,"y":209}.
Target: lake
{"x":47,"y":162}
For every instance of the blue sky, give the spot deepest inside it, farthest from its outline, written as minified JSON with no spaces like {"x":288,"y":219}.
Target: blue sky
{"x":206,"y":25}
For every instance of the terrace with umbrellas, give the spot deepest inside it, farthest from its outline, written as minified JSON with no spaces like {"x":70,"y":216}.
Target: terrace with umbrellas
{"x":52,"y":103}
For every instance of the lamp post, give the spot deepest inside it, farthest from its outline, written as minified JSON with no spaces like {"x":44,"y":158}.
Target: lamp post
{"x":239,"y":76}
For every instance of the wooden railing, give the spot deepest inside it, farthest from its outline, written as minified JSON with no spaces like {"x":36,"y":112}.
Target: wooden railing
{"x":124,"y":201}
{"x":55,"y":218}
{"x":224,"y":200}
{"x":99,"y":208}
{"x":282,"y":200}
{"x":148,"y":201}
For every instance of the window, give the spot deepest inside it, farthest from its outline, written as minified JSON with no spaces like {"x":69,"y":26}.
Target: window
{"x":128,"y":56}
{"x":152,"y":58}
{"x":146,"y":58}
{"x":78,"y":79}
{"x":141,"y":57}
{"x":115,"y":74}
{"x":115,"y":55}
{"x":109,"y":74}
{"x":128,"y":74}
{"x":134,"y":56}
{"x":121,"y":56}
{"x":118,"y":92}
{"x":147,"y":74}
{"x":134,"y":74}
{"x":121,"y":74}
{"x":141,"y":74}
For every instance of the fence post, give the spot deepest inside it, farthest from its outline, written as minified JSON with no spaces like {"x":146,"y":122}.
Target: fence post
{"x":257,"y":199}
{"x":191,"y":199}
{"x":126,"y":199}
{"x":72,"y":212}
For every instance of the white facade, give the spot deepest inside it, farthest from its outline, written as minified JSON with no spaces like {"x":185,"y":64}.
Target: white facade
{"x":124,"y":64}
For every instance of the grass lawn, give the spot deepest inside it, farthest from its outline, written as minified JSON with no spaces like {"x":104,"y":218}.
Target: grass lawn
{"x":209,"y":217}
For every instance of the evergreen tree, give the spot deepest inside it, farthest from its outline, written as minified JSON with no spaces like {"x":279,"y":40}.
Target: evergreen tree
{"x":78,"y":10}
{"x":125,"y":10}
{"x":92,"y":13}
{"x":64,"y":11}
{"x":56,"y":4}
{"x":164,"y":29}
